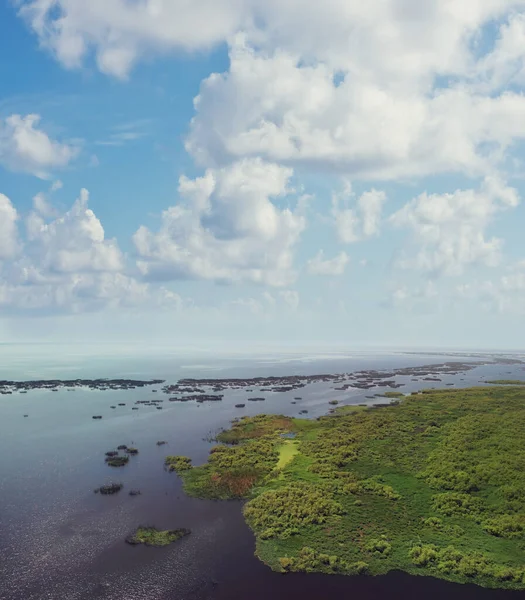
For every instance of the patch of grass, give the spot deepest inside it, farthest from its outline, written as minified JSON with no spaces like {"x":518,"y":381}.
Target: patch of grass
{"x":393,"y":395}
{"x":150,"y":536}
{"x":350,"y":408}
{"x":287,"y":451}
{"x":251,"y":428}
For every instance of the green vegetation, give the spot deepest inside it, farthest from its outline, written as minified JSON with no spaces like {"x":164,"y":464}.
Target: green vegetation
{"x":393,"y":395}
{"x":432,"y":485}
{"x":110,"y":488}
{"x":178,"y":463}
{"x":507,"y":382}
{"x":153,"y":537}
{"x":350,"y":408}
{"x":117,"y":461}
{"x":287,"y":450}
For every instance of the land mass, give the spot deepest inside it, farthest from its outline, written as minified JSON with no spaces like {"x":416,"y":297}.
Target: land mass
{"x":433,"y":484}
{"x":8,"y":387}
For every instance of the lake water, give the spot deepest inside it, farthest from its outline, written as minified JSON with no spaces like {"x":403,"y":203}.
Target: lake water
{"x":59,"y":540}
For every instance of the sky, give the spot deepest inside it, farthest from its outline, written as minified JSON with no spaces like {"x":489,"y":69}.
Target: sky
{"x":236,"y":172}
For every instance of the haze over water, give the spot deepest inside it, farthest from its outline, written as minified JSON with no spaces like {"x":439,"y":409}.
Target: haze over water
{"x":59,"y":540}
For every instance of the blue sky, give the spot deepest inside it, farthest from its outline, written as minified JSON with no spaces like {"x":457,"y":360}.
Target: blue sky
{"x":236,"y":171}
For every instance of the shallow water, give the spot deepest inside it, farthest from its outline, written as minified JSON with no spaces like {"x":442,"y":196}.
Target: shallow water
{"x":59,"y":540}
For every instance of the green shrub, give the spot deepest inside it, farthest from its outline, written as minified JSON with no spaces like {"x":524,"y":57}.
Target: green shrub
{"x":281,"y":513}
{"x":178,"y":463}
{"x":506,"y":526}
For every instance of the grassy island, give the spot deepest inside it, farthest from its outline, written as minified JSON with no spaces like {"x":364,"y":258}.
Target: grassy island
{"x":150,"y":536}
{"x":433,"y":485}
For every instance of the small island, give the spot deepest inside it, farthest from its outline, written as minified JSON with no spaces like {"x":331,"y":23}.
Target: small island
{"x":150,"y":536}
{"x":432,"y":484}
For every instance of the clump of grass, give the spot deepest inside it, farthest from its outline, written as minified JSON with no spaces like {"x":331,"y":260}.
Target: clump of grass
{"x":132,"y":451}
{"x":150,"y":536}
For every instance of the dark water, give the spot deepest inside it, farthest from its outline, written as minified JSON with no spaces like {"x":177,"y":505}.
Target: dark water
{"x":60,"y":541}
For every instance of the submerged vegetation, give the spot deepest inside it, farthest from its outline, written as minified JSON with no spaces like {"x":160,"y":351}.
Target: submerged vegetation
{"x":150,"y":536}
{"x":433,"y":484}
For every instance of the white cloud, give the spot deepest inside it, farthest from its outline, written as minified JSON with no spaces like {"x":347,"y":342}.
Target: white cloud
{"x":8,"y":228}
{"x":64,"y":263}
{"x":394,"y":38}
{"x":448,"y":230}
{"x":74,"y":242}
{"x":372,"y":125}
{"x":345,"y":86}
{"x":505,"y":64}
{"x":333,"y":266}
{"x":121,"y":32}
{"x":227,"y":228}
{"x":27,"y":149}
{"x":362,"y":221}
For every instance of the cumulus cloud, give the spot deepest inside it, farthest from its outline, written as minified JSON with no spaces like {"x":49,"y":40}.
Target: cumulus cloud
{"x":26,"y":148}
{"x":318,"y":265}
{"x":363,"y":220}
{"x":8,"y":228}
{"x":226,"y":228}
{"x":121,"y":32}
{"x":449,"y":230}
{"x":64,"y":263}
{"x":74,"y":242}
{"x":284,"y":110}
{"x":505,"y":64}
